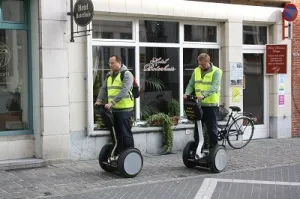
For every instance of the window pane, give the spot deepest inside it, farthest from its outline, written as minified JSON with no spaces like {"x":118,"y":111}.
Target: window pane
{"x":254,"y":76}
{"x":13,"y":10}
{"x":159,"y":31}
{"x":13,"y":80}
{"x":256,"y":35}
{"x":190,"y":61}
{"x":112,"y":29}
{"x":159,"y":80}
{"x":200,"y":33}
{"x":101,"y":68}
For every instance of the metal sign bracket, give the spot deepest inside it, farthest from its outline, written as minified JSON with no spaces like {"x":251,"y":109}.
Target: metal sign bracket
{"x":85,"y":32}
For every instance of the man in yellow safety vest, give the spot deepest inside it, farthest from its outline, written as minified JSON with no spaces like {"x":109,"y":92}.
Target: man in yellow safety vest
{"x":116,"y":93}
{"x":205,"y":82}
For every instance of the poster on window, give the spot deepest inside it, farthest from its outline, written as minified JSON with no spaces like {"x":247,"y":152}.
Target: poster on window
{"x":236,"y":74}
{"x":281,"y":89}
{"x":281,"y":100}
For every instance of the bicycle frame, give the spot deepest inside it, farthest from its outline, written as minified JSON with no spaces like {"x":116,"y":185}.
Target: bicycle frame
{"x":223,"y":132}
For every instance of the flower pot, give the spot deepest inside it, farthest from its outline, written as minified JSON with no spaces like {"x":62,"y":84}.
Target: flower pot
{"x":175,"y":120}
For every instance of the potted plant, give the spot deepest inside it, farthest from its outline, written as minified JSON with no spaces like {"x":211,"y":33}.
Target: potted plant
{"x":174,"y":110}
{"x":163,"y":120}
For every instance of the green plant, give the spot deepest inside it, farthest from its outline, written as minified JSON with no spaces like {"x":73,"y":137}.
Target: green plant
{"x":163,"y":120}
{"x":173,"y":108}
{"x":96,"y":85}
{"x":154,"y":84}
{"x":147,"y":111}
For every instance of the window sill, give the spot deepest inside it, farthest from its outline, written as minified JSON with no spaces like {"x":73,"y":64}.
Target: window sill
{"x":137,"y":130}
{"x":13,"y":133}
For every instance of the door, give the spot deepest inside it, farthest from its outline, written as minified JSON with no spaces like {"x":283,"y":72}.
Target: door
{"x":255,"y":92}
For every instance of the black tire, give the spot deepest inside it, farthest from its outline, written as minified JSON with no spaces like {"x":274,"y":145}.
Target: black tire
{"x":189,"y":153}
{"x":218,"y":159}
{"x":103,"y":157}
{"x":244,"y":120}
{"x":130,"y":162}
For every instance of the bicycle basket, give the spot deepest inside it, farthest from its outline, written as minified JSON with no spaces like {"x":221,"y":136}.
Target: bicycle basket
{"x":223,"y":112}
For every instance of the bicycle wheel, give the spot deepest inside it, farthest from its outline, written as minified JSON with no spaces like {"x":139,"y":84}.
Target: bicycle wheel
{"x":240,"y":132}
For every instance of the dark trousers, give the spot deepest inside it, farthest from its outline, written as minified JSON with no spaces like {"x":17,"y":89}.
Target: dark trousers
{"x":210,"y":115}
{"x":123,"y":131}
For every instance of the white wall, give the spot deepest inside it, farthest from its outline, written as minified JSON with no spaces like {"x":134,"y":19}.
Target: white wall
{"x":54,"y":79}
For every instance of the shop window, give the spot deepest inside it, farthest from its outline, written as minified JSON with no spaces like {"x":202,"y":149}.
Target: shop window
{"x":190,"y":61}
{"x":103,"y":29}
{"x":159,"y":80}
{"x":195,"y":33}
{"x":159,"y":31}
{"x":13,"y":80}
{"x":255,"y":35}
{"x":101,"y":68}
{"x":13,"y":10}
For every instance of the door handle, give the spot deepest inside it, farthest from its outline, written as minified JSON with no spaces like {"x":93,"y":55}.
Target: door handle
{"x":244,"y":82}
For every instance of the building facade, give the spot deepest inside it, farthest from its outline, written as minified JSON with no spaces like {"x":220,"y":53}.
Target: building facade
{"x":295,"y":75}
{"x":49,"y":84}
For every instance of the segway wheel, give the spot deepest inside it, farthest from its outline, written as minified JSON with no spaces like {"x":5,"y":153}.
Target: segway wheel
{"x":218,"y":159}
{"x":130,"y":162}
{"x":188,"y":154}
{"x":103,"y":157}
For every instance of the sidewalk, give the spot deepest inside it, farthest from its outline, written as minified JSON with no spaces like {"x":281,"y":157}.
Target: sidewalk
{"x":75,"y":177}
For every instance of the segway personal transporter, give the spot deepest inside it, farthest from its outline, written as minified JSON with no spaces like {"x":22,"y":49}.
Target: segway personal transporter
{"x":215,"y":159}
{"x":129,"y":162}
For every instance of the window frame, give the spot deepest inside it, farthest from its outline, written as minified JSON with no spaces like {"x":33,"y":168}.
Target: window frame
{"x":11,"y":25}
{"x":218,"y":36}
{"x":115,"y":19}
{"x":255,"y":46}
{"x":17,"y":23}
{"x":136,"y":44}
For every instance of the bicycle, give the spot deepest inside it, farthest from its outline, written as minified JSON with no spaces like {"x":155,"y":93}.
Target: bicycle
{"x":243,"y":118}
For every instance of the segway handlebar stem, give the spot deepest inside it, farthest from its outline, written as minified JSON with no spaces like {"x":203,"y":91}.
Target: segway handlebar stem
{"x":107,"y":118}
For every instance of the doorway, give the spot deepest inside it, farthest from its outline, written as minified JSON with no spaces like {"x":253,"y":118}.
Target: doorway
{"x":255,"y":91}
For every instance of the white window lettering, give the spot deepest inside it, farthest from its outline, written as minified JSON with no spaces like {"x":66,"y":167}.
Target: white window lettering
{"x":4,"y":74}
{"x":155,"y":65}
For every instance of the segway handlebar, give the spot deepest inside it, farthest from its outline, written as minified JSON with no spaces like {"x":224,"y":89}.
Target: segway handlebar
{"x":192,"y":108}
{"x":191,"y":97}
{"x":106,"y":115}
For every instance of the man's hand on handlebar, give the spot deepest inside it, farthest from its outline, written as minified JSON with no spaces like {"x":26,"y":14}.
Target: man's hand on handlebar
{"x":201,"y":97}
{"x":185,"y":96}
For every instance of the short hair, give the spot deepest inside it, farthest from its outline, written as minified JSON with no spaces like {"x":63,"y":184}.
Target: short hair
{"x":204,"y":56}
{"x":118,"y":58}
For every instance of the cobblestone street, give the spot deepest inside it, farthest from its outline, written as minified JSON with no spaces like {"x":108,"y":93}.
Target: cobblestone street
{"x":86,"y":177}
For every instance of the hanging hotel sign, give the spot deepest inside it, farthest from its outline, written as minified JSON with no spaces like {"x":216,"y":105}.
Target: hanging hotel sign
{"x":83,"y":12}
{"x":276,"y":59}
{"x":158,"y":64}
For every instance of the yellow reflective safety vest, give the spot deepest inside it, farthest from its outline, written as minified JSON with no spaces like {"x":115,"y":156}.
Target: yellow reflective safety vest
{"x":114,"y":88}
{"x":202,"y":85}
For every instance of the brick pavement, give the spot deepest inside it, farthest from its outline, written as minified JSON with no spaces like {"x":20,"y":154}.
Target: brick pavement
{"x":86,"y":176}
{"x":268,"y":183}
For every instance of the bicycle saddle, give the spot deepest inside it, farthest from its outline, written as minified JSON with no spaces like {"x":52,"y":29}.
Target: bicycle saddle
{"x":235,"y":108}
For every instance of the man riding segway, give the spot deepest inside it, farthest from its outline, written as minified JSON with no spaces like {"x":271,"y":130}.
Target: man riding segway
{"x":205,"y":82}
